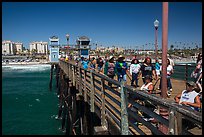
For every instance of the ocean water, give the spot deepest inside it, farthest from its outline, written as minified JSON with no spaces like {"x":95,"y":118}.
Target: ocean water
{"x":28,"y":106}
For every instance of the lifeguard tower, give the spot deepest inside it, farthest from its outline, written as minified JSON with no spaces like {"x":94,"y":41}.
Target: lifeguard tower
{"x":54,"y":49}
{"x":83,"y":46}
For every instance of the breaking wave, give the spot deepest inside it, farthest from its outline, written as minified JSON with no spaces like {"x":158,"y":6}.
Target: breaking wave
{"x":23,"y":68}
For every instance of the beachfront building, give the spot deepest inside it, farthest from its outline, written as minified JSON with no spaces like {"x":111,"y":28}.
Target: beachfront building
{"x":19,"y":47}
{"x":54,"y":49}
{"x":8,"y":47}
{"x":110,"y":49}
{"x":101,"y":49}
{"x":39,"y":47}
{"x":83,"y":46}
{"x":147,"y":52}
{"x":195,"y":56}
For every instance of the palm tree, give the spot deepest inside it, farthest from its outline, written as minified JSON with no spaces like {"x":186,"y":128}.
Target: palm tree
{"x":172,"y":46}
{"x":28,"y":52}
{"x":19,"y":51}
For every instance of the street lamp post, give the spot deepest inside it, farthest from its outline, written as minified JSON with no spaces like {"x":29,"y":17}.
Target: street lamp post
{"x":156,"y":25}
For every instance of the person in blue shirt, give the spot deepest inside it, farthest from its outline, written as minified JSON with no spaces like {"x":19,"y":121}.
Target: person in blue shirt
{"x":85,"y":63}
{"x":121,"y":68}
{"x":157,"y":67}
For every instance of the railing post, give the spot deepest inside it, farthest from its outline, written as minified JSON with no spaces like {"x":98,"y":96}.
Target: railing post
{"x":178,"y":125}
{"x":85,"y":90}
{"x":68,"y":69}
{"x":71,"y":76}
{"x":186,"y":76}
{"x":171,"y":122}
{"x":80,"y":80}
{"x":92,"y":91}
{"x":102,"y":104}
{"x":73,"y":73}
{"x":124,"y":114}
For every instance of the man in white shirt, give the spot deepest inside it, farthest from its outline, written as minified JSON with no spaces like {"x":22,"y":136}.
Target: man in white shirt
{"x":189,"y":97}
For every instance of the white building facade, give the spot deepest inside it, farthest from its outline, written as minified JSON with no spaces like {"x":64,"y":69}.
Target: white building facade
{"x":39,"y":47}
{"x":19,"y":47}
{"x":8,"y":47}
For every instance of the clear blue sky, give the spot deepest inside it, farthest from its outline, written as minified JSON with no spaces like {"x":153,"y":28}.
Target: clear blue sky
{"x":123,"y":24}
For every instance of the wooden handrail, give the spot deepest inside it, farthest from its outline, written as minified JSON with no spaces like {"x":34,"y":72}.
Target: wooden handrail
{"x":102,"y":96}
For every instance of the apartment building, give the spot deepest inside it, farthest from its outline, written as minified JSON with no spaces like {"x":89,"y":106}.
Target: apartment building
{"x":8,"y":47}
{"x":39,"y":47}
{"x":19,"y":47}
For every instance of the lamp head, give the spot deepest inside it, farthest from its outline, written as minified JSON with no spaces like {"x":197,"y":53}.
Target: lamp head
{"x":67,"y":36}
{"x":156,"y":24}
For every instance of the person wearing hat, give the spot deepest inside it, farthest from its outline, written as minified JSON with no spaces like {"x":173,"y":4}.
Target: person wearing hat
{"x":189,"y":97}
{"x":109,"y":69}
{"x":121,"y":68}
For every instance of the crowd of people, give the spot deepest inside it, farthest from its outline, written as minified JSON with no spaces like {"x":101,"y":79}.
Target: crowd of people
{"x":112,"y":66}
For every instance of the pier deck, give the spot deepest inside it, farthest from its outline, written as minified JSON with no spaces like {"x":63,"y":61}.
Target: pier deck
{"x":107,"y":102}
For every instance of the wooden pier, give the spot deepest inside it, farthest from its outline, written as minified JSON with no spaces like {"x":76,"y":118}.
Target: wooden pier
{"x":88,"y":106}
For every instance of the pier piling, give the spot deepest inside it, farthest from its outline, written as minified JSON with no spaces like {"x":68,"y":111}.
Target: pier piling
{"x":51,"y":72}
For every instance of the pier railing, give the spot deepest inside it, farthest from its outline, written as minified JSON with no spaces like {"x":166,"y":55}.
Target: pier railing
{"x":110,"y":104}
{"x":183,"y":71}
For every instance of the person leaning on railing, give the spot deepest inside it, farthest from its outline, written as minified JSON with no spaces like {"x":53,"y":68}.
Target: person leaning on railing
{"x":148,"y":87}
{"x":189,"y":97}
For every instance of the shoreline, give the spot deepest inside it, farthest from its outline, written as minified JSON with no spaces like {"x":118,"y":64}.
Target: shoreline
{"x":25,"y":63}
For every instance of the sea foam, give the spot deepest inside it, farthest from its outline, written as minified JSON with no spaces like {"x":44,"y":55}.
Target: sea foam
{"x":23,"y":68}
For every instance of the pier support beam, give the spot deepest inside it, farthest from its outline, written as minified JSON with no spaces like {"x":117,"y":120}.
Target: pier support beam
{"x":65,"y":102}
{"x":57,"y":75}
{"x":51,"y":72}
{"x":73,"y":113}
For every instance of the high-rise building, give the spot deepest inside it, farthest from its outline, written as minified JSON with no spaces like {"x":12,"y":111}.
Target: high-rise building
{"x":8,"y":47}
{"x":19,"y":47}
{"x":39,"y":47}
